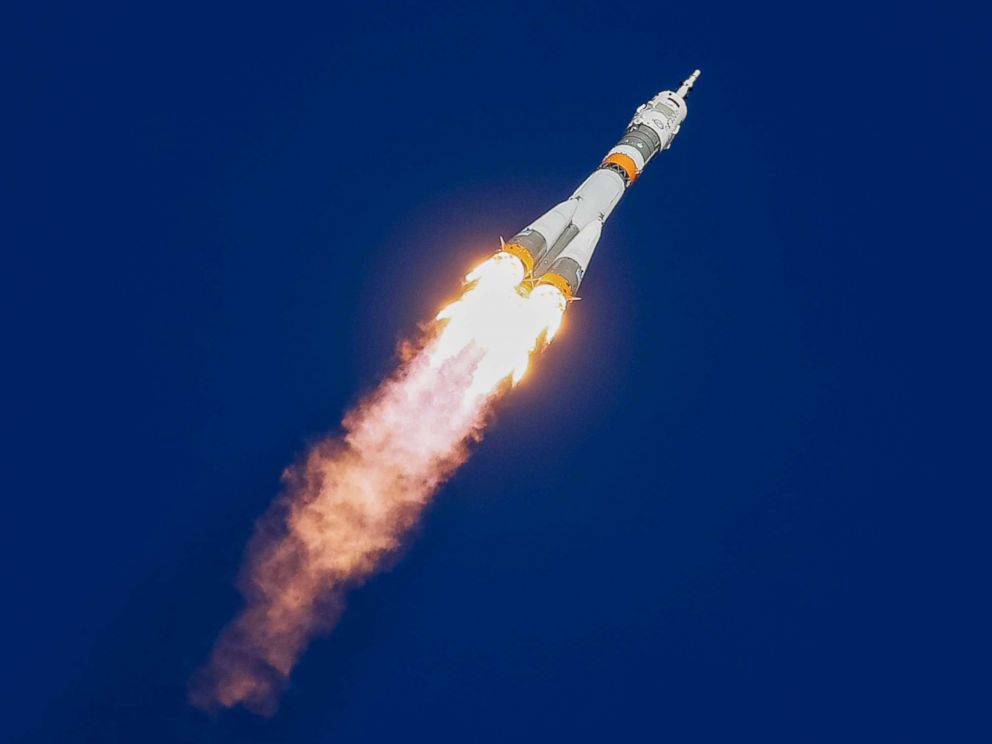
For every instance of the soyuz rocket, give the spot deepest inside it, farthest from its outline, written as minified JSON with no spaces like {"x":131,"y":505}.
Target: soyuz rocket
{"x":557,"y":247}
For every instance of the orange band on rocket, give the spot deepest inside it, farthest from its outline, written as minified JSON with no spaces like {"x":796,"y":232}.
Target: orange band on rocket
{"x":515,"y":249}
{"x":556,"y":280}
{"x":624,"y":161}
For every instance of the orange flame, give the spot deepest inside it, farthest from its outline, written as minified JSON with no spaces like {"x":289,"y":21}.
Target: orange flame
{"x":348,"y":504}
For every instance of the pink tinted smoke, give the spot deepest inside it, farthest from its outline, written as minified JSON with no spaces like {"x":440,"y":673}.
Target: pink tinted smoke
{"x":344,"y":511}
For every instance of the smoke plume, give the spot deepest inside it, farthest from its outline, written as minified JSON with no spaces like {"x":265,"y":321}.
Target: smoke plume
{"x":347,"y":505}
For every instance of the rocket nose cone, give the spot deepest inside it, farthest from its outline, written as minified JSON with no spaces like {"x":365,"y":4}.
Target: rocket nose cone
{"x":687,"y":84}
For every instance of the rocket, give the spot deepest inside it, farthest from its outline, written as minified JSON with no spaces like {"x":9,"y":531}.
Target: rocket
{"x":556,"y":248}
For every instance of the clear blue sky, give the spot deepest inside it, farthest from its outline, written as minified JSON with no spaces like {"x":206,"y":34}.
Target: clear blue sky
{"x":732,"y":503}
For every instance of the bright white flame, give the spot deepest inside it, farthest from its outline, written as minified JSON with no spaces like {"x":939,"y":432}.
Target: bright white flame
{"x":501,"y":320}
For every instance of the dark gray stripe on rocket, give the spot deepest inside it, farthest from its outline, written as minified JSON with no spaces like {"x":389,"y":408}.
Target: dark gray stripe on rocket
{"x":545,"y":260}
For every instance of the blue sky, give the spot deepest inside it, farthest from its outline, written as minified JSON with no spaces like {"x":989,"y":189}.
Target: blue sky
{"x":735,"y":500}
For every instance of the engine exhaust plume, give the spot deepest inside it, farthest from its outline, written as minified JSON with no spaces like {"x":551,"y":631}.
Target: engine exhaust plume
{"x":348,"y":504}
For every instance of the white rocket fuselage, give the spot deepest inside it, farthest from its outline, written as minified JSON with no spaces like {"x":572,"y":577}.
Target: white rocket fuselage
{"x":557,"y":247}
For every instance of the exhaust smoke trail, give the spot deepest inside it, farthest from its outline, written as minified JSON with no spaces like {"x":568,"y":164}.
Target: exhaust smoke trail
{"x":348,"y":504}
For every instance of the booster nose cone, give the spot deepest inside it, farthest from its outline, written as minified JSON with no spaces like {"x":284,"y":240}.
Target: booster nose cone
{"x":687,"y":84}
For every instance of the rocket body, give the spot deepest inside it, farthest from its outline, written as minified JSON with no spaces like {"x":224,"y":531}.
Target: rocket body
{"x":557,"y":247}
